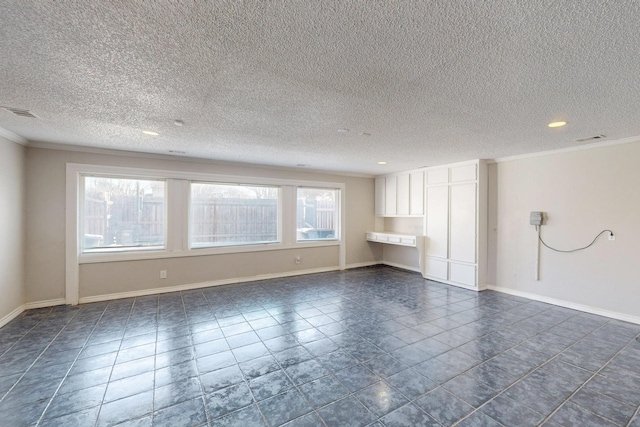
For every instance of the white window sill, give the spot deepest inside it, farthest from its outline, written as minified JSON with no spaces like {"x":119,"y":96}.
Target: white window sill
{"x":93,"y":258}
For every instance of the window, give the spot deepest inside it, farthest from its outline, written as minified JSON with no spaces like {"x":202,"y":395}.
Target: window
{"x":227,"y":215}
{"x":122,"y":214}
{"x":317,"y":214}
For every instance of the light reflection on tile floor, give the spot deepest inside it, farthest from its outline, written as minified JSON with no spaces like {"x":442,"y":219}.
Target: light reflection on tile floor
{"x":372,"y":346}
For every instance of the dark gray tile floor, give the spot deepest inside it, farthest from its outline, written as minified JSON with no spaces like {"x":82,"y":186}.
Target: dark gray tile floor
{"x":373,"y":346}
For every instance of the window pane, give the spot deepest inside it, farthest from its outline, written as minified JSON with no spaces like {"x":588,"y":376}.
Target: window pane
{"x":122,"y":214}
{"x":317,"y":217}
{"x":226,"y":215}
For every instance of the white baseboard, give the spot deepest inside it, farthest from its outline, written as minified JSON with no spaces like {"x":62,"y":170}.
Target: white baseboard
{"x":9,"y":317}
{"x":28,"y":306}
{"x":568,"y":304}
{"x":191,"y":286}
{"x":402,"y":266}
{"x":362,"y":264}
{"x":47,"y":303}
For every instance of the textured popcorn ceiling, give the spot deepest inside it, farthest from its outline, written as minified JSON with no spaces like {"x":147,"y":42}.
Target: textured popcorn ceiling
{"x":271,"y":82}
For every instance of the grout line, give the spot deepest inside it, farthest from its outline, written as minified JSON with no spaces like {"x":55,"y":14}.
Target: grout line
{"x":195,"y":358}
{"x":604,"y":365}
{"x":72,"y":364}
{"x":116,"y":359}
{"x":353,"y":298}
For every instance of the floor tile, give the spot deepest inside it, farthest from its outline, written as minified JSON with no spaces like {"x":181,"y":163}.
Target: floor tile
{"x":86,"y":417}
{"x":308,"y":420}
{"x":479,"y":419}
{"x":129,"y":386}
{"x":250,"y":352}
{"x":574,"y":415}
{"x":187,"y":413}
{"x":77,"y":401}
{"x":221,"y":378}
{"x":314,"y":345}
{"x":284,"y":407}
{"x":323,"y":391}
{"x":511,"y":413}
{"x":259,"y":366}
{"x":270,"y":384}
{"x":228,"y":399}
{"x":306,"y":371}
{"x":249,"y":416}
{"x":176,"y":392}
{"x":470,"y":391}
{"x":346,"y":412}
{"x":443,"y":406}
{"x":125,"y":409}
{"x":215,"y":361}
{"x":410,"y":383}
{"x":356,"y":377}
{"x":409,"y":415}
{"x":604,"y":406}
{"x":337,"y":361}
{"x":380,"y":398}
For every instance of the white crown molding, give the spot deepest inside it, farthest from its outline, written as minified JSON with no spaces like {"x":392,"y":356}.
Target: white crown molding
{"x":621,"y":141}
{"x":13,"y":137}
{"x":156,"y":156}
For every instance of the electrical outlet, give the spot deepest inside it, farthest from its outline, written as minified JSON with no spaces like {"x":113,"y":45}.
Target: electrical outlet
{"x":297,"y":259}
{"x":612,"y":236}
{"x":163,"y":274}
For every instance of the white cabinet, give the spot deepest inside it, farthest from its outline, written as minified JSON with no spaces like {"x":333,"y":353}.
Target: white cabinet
{"x":456,"y":229}
{"x":393,"y":238}
{"x":462,"y":222}
{"x":400,"y":194}
{"x":403,"y":194}
{"x":380,"y":196}
{"x":391,"y":194}
{"x":437,"y":221}
{"x":416,"y":193}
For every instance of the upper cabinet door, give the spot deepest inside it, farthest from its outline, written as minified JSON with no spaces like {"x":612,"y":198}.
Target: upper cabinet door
{"x":390,"y":195}
{"x":438,"y":176}
{"x":380,"y":196}
{"x":403,"y":195}
{"x":464,"y":173}
{"x":416,"y":193}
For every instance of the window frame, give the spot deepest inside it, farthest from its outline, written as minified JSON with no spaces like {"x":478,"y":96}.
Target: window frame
{"x":116,"y":249}
{"x":279,"y":219}
{"x":177,"y":202}
{"x":338,"y":215}
{"x":177,"y":214}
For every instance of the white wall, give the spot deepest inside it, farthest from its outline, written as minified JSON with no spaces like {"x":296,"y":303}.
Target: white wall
{"x":45,"y":273}
{"x":401,"y":256}
{"x":582,"y":193}
{"x":12,"y":224}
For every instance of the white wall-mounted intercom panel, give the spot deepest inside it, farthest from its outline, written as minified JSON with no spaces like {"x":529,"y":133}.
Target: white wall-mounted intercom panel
{"x":535,"y":218}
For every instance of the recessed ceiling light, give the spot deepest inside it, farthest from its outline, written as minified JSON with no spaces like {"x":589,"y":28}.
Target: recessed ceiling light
{"x":382,"y":163}
{"x":178,"y":123}
{"x":343,"y":130}
{"x":364,"y":134}
{"x":556,"y":124}
{"x":150,"y":132}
